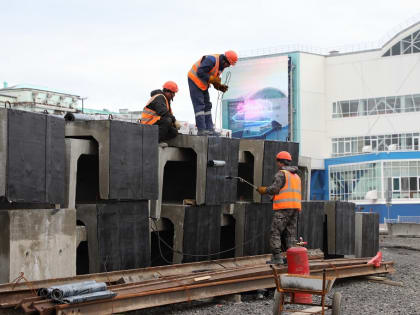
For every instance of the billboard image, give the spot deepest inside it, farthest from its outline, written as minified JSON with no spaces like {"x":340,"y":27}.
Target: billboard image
{"x":256,"y":106}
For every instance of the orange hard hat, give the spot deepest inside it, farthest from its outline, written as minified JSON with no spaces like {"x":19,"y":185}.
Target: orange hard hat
{"x":284,"y":155}
{"x":171,"y":86}
{"x":232,"y":57}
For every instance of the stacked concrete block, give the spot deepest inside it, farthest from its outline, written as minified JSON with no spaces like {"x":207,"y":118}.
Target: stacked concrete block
{"x":112,"y":174}
{"x":252,"y":227}
{"x":196,"y":231}
{"x":186,"y":171}
{"x":271,"y":148}
{"x":41,"y":243}
{"x":32,"y":155}
{"x":257,"y":165}
{"x":340,"y":224}
{"x":311,"y":224}
{"x":366,"y":234}
{"x":127,"y":155}
{"x":117,"y":235}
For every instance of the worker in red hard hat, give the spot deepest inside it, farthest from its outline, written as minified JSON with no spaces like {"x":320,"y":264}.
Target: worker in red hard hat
{"x":286,"y":192}
{"x":206,"y":71}
{"x":158,"y":111}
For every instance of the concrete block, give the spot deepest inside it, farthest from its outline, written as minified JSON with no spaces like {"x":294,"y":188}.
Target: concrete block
{"x":403,"y":229}
{"x":344,"y":230}
{"x":181,"y":179}
{"x":252,"y":228}
{"x":366,"y":234}
{"x":211,"y":186}
{"x":40,"y":243}
{"x":311,"y":224}
{"x":196,"y":231}
{"x":251,"y":164}
{"x":118,"y":235}
{"x":271,"y":148}
{"x":340,"y":227}
{"x":127,"y":157}
{"x":218,"y":189}
{"x":74,"y":149}
{"x":32,"y":157}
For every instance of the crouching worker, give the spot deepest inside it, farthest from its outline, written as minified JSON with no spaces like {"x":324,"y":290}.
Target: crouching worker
{"x":158,"y":111}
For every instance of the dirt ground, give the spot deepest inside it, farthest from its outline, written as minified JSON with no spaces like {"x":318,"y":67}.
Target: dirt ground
{"x":360,"y":296}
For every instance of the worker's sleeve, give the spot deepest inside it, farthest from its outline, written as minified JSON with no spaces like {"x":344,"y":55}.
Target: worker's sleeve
{"x":206,"y":65}
{"x":278,"y":183}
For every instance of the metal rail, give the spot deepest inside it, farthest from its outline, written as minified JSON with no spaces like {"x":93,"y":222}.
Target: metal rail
{"x":192,"y":286}
{"x":183,"y":293}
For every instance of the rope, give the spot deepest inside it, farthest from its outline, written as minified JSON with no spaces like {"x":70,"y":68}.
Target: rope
{"x":220,"y":96}
{"x":198,"y":255}
{"x":28,"y":283}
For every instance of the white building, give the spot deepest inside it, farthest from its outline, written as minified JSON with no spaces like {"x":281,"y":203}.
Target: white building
{"x":38,"y":99}
{"x":357,"y":115}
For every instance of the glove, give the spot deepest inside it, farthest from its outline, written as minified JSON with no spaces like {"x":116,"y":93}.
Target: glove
{"x":177,"y":125}
{"x":214,"y":80}
{"x":223,"y":88}
{"x":262,"y":190}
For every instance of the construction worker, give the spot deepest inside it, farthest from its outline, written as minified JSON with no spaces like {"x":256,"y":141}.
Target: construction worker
{"x":286,"y":192}
{"x":158,"y":111}
{"x":206,"y":71}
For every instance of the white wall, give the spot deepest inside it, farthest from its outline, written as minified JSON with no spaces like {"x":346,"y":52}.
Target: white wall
{"x":312,"y":110}
{"x":367,"y":75}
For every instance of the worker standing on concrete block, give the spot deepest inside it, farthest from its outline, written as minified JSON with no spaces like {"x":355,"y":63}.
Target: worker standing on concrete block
{"x":286,"y":192}
{"x":158,"y":111}
{"x":204,"y":72}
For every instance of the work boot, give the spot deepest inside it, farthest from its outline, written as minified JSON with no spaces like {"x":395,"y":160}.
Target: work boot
{"x":214,"y":133}
{"x":203,"y":132}
{"x":275,"y":260}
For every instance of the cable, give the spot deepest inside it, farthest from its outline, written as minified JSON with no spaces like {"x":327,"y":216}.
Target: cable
{"x":197,"y":255}
{"x":220,"y":96}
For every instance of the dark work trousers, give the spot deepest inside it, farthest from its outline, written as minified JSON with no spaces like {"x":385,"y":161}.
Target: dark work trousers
{"x":283,"y":230}
{"x":167,"y":129}
{"x":202,"y":106}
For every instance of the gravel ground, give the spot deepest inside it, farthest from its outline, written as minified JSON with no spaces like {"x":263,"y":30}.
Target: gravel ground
{"x":359,"y":295}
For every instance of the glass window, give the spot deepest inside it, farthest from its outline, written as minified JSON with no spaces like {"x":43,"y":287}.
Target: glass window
{"x":404,"y":184}
{"x":396,"y":184}
{"x":396,"y":49}
{"x":413,"y":183}
{"x":345,"y":108}
{"x":388,"y":53}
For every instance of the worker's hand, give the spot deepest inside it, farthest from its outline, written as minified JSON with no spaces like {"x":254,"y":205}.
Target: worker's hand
{"x":262,"y":190}
{"x":177,"y":125}
{"x":223,"y":88}
{"x":214,"y":80}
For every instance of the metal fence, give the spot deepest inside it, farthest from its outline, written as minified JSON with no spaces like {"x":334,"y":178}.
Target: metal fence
{"x":404,"y":219}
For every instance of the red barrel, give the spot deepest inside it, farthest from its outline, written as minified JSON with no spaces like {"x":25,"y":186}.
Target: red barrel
{"x":298,"y":263}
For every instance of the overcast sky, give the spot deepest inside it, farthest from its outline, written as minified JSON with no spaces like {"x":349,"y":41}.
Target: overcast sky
{"x":116,"y":52}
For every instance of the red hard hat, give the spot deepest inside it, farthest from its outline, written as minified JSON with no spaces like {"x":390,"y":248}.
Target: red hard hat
{"x":171,"y":86}
{"x":284,"y":155}
{"x":232,"y":57}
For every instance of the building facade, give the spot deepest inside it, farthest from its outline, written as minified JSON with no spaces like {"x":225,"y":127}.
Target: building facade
{"x":357,"y":117}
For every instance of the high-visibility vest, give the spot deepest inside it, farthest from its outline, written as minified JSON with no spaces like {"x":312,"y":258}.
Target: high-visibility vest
{"x":290,"y":195}
{"x":149,"y":116}
{"x":192,"y":74}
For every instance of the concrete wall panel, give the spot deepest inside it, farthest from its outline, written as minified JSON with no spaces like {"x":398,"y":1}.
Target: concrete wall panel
{"x":41,"y":243}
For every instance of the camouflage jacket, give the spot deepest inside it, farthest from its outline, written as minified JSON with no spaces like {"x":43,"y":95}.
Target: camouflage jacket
{"x":280,"y":180}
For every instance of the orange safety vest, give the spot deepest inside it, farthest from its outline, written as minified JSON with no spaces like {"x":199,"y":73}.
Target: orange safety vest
{"x":149,"y":116}
{"x":289,"y":197}
{"x":192,"y":74}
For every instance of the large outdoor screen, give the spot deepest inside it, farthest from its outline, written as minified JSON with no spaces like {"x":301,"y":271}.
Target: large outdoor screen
{"x":256,"y":106}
